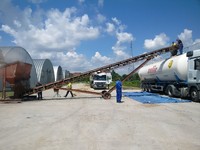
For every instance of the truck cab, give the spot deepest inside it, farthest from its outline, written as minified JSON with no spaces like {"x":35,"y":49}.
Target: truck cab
{"x":100,"y":80}
{"x":194,"y":74}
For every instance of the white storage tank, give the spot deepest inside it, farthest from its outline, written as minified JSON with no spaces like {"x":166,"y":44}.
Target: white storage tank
{"x":172,"y":69}
{"x":58,"y":73}
{"x":44,"y":70}
{"x":12,"y":54}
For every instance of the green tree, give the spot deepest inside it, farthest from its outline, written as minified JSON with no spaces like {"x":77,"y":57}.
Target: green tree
{"x":115,"y":76}
{"x":123,"y":76}
{"x":134,"y":77}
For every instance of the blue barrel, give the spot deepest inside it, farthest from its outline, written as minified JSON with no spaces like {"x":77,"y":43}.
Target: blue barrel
{"x":118,"y":91}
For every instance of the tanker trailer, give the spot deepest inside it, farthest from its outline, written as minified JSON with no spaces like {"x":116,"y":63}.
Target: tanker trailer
{"x":178,"y":76}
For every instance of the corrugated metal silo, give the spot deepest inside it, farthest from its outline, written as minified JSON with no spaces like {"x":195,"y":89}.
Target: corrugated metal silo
{"x":67,"y":74}
{"x":58,"y":73}
{"x":13,"y":54}
{"x":44,"y":70}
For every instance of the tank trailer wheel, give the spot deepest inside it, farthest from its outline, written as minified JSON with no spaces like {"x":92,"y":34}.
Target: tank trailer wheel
{"x":106,"y":95}
{"x":144,"y":88}
{"x":194,"y":95}
{"x":169,"y":91}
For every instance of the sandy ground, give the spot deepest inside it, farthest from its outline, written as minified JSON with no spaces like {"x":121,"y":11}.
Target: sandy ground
{"x":88,"y":122}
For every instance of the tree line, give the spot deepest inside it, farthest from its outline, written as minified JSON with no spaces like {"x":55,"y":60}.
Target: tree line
{"x":133,"y":81}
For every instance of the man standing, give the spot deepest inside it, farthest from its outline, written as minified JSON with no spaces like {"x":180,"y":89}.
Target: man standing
{"x":69,"y":87}
{"x":180,"y":45}
{"x":118,"y":91}
{"x":39,"y":92}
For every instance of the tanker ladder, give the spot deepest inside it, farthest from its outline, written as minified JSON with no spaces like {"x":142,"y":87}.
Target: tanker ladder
{"x":105,"y":94}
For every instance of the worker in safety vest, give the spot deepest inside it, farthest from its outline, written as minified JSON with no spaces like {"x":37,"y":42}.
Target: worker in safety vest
{"x":69,"y":87}
{"x":174,"y":52}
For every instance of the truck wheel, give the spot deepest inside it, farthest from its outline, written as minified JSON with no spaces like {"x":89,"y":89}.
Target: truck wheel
{"x":149,"y":89}
{"x":144,"y":87}
{"x":169,"y":91}
{"x":194,"y":94}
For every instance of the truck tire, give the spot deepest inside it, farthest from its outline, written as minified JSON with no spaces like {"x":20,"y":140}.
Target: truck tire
{"x":194,"y":94}
{"x":169,"y":91}
{"x":149,"y":88}
{"x":91,"y":85}
{"x":143,"y":87}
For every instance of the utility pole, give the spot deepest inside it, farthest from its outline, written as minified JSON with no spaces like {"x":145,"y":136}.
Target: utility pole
{"x":131,"y":66}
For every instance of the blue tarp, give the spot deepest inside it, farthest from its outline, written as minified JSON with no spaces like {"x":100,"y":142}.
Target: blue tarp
{"x":152,"y":98}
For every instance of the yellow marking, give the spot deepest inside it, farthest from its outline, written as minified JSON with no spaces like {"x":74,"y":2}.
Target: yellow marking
{"x":170,"y":64}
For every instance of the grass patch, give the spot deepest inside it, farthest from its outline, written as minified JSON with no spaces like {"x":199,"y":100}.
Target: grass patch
{"x":8,"y":94}
{"x":129,"y":84}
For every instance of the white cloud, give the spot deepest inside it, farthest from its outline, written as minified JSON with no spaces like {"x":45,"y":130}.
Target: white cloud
{"x":11,"y":11}
{"x":61,"y":30}
{"x":159,"y":41}
{"x":124,"y":40}
{"x":55,"y":34}
{"x":186,"y":37}
{"x":116,"y":21}
{"x":101,"y":18}
{"x":120,"y":52}
{"x":17,"y":23}
{"x":8,"y":30}
{"x":52,"y":34}
{"x":124,"y":37}
{"x":71,"y":60}
{"x":98,"y":59}
{"x":74,"y":61}
{"x":110,"y":28}
{"x":196,"y":41}
{"x":188,"y":42}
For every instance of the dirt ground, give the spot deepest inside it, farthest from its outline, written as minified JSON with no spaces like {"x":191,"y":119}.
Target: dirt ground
{"x":88,"y":122}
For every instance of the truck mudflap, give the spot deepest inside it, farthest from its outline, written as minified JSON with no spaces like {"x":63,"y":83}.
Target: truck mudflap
{"x":184,"y":92}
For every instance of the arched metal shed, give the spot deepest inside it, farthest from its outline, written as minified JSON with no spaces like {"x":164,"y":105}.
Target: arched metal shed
{"x":44,"y":70}
{"x":58,"y":73}
{"x":13,"y":54}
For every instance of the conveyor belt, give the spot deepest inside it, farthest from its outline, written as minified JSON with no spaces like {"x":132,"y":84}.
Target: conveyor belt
{"x":146,"y":56}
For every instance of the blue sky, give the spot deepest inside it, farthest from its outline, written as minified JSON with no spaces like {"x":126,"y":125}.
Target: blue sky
{"x":83,"y":34}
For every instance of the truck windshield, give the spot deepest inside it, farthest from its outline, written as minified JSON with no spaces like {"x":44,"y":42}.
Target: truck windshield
{"x":97,"y":77}
{"x":197,"y":64}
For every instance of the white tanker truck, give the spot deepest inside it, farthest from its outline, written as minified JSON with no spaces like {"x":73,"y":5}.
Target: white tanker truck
{"x":178,"y":76}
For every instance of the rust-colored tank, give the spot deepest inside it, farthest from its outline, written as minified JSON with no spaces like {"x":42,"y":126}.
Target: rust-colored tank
{"x":17,"y":74}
